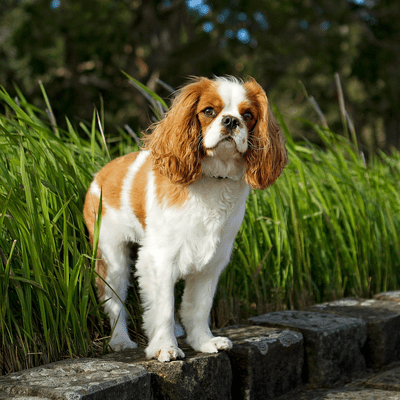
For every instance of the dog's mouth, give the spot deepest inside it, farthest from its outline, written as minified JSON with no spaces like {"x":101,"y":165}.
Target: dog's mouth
{"x":225,"y":141}
{"x":225,"y":149}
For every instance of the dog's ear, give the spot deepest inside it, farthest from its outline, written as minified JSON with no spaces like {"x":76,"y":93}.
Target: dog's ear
{"x":267,"y":154}
{"x":175,"y":142}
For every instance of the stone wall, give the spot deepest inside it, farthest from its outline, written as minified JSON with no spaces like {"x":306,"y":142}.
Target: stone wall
{"x":292,"y":354}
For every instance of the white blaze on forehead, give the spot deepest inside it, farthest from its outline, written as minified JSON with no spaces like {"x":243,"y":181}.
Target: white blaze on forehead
{"x":232,"y":94}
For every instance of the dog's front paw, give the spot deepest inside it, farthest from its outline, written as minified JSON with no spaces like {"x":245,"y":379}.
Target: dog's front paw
{"x":119,"y":343}
{"x":166,"y":353}
{"x":215,"y":344}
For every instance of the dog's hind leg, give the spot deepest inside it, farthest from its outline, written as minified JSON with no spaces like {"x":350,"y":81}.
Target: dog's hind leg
{"x":114,"y":267}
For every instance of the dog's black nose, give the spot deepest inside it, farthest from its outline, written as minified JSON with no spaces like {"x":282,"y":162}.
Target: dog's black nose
{"x":230,"y":122}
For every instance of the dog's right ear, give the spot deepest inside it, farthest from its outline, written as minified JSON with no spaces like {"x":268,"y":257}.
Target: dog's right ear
{"x":174,"y":144}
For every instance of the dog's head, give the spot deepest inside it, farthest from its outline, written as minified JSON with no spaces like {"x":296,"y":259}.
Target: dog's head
{"x":222,"y":128}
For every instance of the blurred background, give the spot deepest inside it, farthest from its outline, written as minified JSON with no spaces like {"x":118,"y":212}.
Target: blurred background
{"x":328,"y":229}
{"x":292,"y":47}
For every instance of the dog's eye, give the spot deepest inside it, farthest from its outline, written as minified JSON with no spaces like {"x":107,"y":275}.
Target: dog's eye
{"x":248,"y":116}
{"x":209,"y":111}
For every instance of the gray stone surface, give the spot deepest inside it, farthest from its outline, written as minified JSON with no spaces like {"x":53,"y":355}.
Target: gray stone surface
{"x":332,"y":343}
{"x":266,"y":362}
{"x":343,"y":394}
{"x":393,"y":296}
{"x":383,"y":326}
{"x":79,"y":379}
{"x":198,"y":376}
{"x":388,"y":380}
{"x":5,"y":396}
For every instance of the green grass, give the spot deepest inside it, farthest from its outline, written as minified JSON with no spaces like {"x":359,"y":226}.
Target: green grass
{"x":48,"y":307}
{"x":327,"y":229}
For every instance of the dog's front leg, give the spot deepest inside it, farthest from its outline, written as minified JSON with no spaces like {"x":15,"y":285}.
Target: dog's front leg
{"x":156,"y":281}
{"x":195,"y":310}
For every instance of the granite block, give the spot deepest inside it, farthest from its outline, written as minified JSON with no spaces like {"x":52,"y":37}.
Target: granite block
{"x":332,"y":343}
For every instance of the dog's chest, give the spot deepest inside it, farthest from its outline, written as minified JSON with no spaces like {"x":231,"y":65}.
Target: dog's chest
{"x":210,"y":223}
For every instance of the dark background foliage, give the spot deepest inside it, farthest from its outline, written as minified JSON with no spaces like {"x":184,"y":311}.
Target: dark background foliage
{"x":292,"y":47}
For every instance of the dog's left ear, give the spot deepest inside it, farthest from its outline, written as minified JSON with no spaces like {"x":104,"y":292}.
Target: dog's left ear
{"x":267,"y":155}
{"x":174,"y":143}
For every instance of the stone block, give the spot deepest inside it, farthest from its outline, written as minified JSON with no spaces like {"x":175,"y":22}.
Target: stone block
{"x":383,"y":326}
{"x":332,"y":343}
{"x":344,"y":394}
{"x":393,"y":296}
{"x":266,"y":362}
{"x":389,"y":380}
{"x":79,"y":379}
{"x":5,"y":396}
{"x":198,"y":376}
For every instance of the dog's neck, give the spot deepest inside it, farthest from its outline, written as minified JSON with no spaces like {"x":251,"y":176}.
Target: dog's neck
{"x":224,"y":162}
{"x":215,"y":167}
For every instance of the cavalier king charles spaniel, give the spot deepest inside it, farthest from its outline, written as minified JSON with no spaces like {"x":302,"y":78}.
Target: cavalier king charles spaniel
{"x":182,"y":199}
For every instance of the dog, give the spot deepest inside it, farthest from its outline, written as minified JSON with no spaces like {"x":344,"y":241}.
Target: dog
{"x":182,"y":198}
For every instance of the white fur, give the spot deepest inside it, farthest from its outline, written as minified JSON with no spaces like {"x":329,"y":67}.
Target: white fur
{"x":193,"y":242}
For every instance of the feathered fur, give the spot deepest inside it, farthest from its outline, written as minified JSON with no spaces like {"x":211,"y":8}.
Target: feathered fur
{"x":182,"y":199}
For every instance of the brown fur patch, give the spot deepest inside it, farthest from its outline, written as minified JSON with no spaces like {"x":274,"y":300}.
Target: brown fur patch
{"x":267,"y":155}
{"x":139,"y":190}
{"x":111,"y":177}
{"x":209,"y":98}
{"x":109,"y":180}
{"x":248,"y":106}
{"x":101,"y":268}
{"x":168,"y":193}
{"x":90,"y":210}
{"x":174,"y":143}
